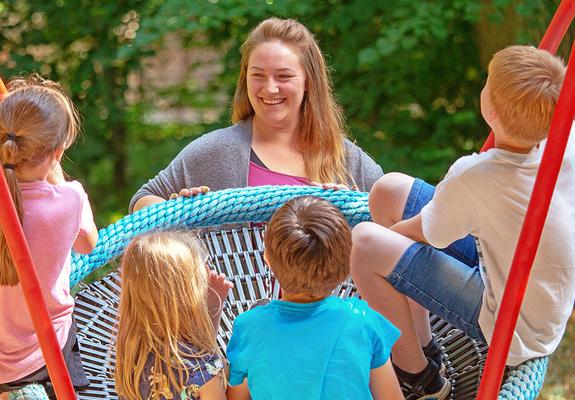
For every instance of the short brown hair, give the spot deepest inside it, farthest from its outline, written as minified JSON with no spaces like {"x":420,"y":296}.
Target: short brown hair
{"x":308,"y":243}
{"x":524,"y":85}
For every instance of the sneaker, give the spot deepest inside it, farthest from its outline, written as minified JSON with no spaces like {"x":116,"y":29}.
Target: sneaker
{"x":433,"y":350}
{"x":442,"y":394}
{"x":416,"y":390}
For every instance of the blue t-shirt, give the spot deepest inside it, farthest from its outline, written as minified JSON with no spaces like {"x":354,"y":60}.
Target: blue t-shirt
{"x":320,"y":350}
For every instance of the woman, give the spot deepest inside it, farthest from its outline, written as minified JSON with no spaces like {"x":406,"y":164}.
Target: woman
{"x":287,"y":129}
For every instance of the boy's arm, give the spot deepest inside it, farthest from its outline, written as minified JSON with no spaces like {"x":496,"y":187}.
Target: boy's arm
{"x":410,"y":228}
{"x":239,"y":392}
{"x":383,"y":383}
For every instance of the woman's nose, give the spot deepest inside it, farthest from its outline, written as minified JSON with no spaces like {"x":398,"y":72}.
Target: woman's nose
{"x":271,"y":86}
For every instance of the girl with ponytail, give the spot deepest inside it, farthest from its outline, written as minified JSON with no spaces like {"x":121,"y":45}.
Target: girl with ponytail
{"x":38,"y":122}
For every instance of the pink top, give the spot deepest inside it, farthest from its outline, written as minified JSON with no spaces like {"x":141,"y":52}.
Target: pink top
{"x":54,"y":215}
{"x":261,"y":176}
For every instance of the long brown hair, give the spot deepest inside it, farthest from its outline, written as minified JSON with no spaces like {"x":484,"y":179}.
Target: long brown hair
{"x":321,"y":130}
{"x":36,"y":119}
{"x":163,"y":304}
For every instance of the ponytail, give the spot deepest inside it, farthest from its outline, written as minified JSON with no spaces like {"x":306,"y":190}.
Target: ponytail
{"x":8,"y":155}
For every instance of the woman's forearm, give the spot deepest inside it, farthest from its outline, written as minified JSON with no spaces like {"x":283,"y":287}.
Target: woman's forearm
{"x":146,"y":201}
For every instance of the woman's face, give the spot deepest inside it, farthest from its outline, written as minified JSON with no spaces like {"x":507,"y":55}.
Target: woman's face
{"x":276,"y":84}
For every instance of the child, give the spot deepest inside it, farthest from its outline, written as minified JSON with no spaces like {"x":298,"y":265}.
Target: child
{"x":484,"y":195}
{"x":164,"y":319}
{"x":311,"y":345}
{"x":37,"y":123}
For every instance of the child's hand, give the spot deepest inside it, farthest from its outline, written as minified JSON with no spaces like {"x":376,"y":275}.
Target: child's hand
{"x":190,"y":192}
{"x":218,"y":290}
{"x":219,"y":285}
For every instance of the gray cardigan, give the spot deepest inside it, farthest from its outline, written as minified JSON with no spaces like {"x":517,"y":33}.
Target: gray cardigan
{"x":220,"y":160}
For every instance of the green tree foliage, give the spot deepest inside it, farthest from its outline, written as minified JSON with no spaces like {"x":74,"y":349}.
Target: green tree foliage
{"x":77,"y":43}
{"x":407,"y":73}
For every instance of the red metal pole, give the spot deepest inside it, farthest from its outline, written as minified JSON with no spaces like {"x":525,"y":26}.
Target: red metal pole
{"x":32,"y":290}
{"x":550,"y":42}
{"x":530,"y":236}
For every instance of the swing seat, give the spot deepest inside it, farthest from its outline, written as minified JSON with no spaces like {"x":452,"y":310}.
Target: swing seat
{"x":235,"y":245}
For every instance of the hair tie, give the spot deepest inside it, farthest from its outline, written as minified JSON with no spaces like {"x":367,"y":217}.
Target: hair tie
{"x":11,"y":136}
{"x":9,"y":166}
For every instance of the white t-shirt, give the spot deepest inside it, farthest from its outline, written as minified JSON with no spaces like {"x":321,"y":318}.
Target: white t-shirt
{"x":486,"y":195}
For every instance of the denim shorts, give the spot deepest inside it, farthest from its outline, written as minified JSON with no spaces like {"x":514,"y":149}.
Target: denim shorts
{"x":447,"y":281}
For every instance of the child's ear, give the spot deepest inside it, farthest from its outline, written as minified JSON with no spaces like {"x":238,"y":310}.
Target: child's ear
{"x":58,"y":153}
{"x":492,"y":115}
{"x":266,"y":258}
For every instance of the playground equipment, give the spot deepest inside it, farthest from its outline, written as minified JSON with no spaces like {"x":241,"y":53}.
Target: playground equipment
{"x":236,"y":250}
{"x":463,"y":357}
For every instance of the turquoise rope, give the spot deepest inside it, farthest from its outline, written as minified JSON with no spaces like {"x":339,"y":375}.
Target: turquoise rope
{"x":525,"y":381}
{"x":29,"y":392}
{"x":253,"y":204}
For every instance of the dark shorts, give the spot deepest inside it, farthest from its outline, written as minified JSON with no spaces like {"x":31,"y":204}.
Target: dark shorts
{"x":447,"y":281}
{"x":71,"y":352}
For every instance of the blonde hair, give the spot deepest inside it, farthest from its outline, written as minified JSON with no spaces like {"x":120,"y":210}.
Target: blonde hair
{"x":36,"y":119}
{"x":524,"y":86}
{"x":163,"y":305}
{"x":321,"y":130}
{"x":308,"y":243}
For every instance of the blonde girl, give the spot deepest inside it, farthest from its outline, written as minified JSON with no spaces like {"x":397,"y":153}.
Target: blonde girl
{"x":166,"y":344}
{"x":38,"y":122}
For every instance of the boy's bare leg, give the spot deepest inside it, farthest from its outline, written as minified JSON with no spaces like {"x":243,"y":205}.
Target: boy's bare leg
{"x":387,"y":200}
{"x":388,"y":196}
{"x":375,"y":252}
{"x":420,"y":317}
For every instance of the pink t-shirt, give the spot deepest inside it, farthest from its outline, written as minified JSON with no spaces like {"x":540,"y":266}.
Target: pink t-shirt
{"x":261,"y":176}
{"x":54,"y":216}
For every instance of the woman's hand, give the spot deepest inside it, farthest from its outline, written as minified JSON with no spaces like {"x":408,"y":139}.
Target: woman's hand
{"x":190,"y":192}
{"x":149,"y":200}
{"x":334,"y":186}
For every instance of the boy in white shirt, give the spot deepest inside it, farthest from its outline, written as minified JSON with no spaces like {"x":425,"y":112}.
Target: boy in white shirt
{"x":483,"y":198}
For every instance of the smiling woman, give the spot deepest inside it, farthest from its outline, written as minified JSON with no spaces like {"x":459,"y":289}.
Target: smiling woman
{"x":288,"y":129}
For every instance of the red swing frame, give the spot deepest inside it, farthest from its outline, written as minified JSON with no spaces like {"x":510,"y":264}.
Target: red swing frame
{"x":514,"y":289}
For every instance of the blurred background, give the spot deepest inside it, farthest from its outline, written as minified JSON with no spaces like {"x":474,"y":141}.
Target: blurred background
{"x":149,"y":76}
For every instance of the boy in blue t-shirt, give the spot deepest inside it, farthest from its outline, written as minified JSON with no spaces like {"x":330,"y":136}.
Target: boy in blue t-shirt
{"x":311,"y":345}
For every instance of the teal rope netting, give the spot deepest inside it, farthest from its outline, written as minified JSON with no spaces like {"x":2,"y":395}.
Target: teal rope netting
{"x":230,"y":206}
{"x":257,"y":204}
